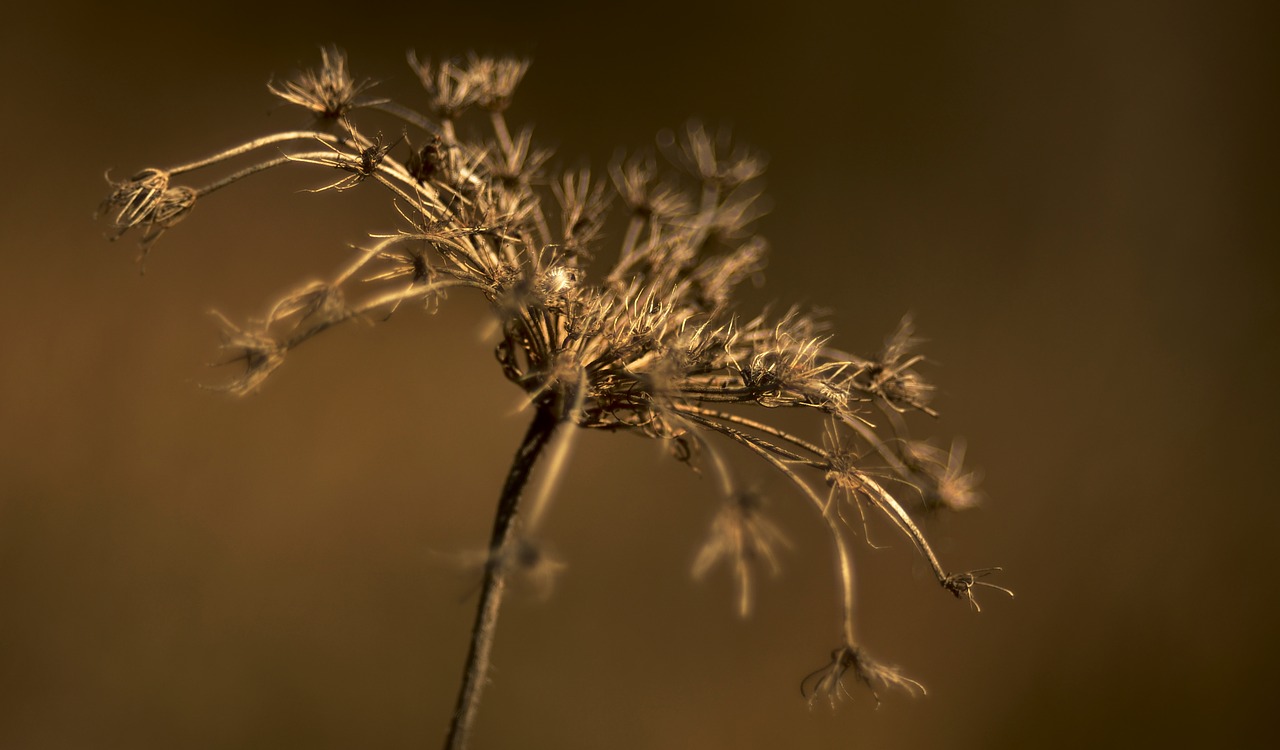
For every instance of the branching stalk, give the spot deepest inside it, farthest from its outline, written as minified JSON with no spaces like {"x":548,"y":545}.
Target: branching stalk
{"x":659,"y":348}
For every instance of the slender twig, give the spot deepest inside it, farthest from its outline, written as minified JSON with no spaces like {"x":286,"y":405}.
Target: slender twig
{"x":496,"y":568}
{"x":500,"y":129}
{"x":243,"y":173}
{"x":244,"y":148}
{"x":753,"y":424}
{"x":408,"y":115}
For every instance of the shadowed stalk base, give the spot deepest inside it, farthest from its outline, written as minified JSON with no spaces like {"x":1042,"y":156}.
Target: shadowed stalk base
{"x":501,"y":545}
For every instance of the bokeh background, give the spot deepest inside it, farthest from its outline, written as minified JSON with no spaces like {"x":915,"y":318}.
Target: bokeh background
{"x":1077,"y":204}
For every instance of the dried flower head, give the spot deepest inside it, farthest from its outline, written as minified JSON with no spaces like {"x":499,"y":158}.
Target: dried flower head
{"x":828,"y":681}
{"x":654,"y":344}
{"x":136,"y":198}
{"x":329,"y":92}
{"x":713,"y":159}
{"x":741,"y":536}
{"x":496,"y":79}
{"x":940,"y":476}
{"x":147,"y":201}
{"x":891,"y":375}
{"x":260,"y":352}
{"x":451,"y":87}
{"x":962,"y":585}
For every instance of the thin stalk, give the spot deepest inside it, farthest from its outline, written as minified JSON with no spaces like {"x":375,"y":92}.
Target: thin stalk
{"x":540,"y":219}
{"x":751,"y":423}
{"x":237,"y":176}
{"x":244,"y":148}
{"x":844,"y":557}
{"x":746,"y":439}
{"x":319,"y":158}
{"x":629,"y":245}
{"x":447,"y":132}
{"x":541,"y":430}
{"x":408,"y":115}
{"x":504,"y":135}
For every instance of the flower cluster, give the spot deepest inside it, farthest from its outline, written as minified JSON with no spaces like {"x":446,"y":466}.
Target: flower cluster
{"x":652,"y":344}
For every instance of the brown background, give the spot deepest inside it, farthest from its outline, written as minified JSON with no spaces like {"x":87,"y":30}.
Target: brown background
{"x":1077,"y":205}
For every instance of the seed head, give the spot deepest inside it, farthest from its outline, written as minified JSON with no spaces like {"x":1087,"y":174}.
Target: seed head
{"x":940,"y":475}
{"x":329,"y":92}
{"x":260,"y":352}
{"x":495,"y":79}
{"x":713,"y":159}
{"x":450,"y":86}
{"x":650,"y":340}
{"x":148,"y":202}
{"x":741,"y":536}
{"x":828,"y":681}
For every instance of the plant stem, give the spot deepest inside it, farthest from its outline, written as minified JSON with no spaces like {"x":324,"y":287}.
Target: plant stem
{"x":545,"y":421}
{"x":244,"y":148}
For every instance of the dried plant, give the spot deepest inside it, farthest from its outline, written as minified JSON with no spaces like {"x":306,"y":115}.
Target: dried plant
{"x":653,"y":345}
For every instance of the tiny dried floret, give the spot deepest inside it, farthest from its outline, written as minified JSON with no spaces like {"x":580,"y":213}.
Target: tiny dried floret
{"x":135,"y":199}
{"x":318,"y":304}
{"x":535,"y":565}
{"x":425,"y":161}
{"x":939,"y":475}
{"x":260,"y":352}
{"x":828,"y":681}
{"x":713,"y":159}
{"x":891,"y":376}
{"x":718,"y":276}
{"x":521,"y":164}
{"x":962,"y":585}
{"x":558,"y":285}
{"x":742,"y":537}
{"x":173,"y":206}
{"x":149,"y":203}
{"x":583,"y":204}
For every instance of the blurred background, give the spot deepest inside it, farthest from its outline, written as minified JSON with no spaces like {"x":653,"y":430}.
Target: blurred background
{"x":1076,"y":203}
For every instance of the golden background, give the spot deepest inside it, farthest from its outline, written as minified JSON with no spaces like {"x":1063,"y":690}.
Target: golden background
{"x":1077,"y":204}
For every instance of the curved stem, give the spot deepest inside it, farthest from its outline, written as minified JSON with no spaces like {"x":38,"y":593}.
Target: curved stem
{"x":844,"y":557}
{"x":244,"y":148}
{"x":751,"y":423}
{"x":545,"y":421}
{"x":746,"y":439}
{"x":243,"y":173}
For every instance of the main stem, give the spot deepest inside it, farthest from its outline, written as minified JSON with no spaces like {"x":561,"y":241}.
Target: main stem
{"x":496,"y":567}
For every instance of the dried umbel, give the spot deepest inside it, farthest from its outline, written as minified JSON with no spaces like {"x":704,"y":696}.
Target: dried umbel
{"x":329,"y":92}
{"x":146,"y":201}
{"x":652,"y":345}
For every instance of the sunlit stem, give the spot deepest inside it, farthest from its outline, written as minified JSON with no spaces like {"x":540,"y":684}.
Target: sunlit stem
{"x":557,"y":459}
{"x":244,"y":148}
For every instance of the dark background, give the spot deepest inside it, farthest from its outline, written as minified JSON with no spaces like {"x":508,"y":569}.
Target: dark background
{"x":1077,"y":204}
